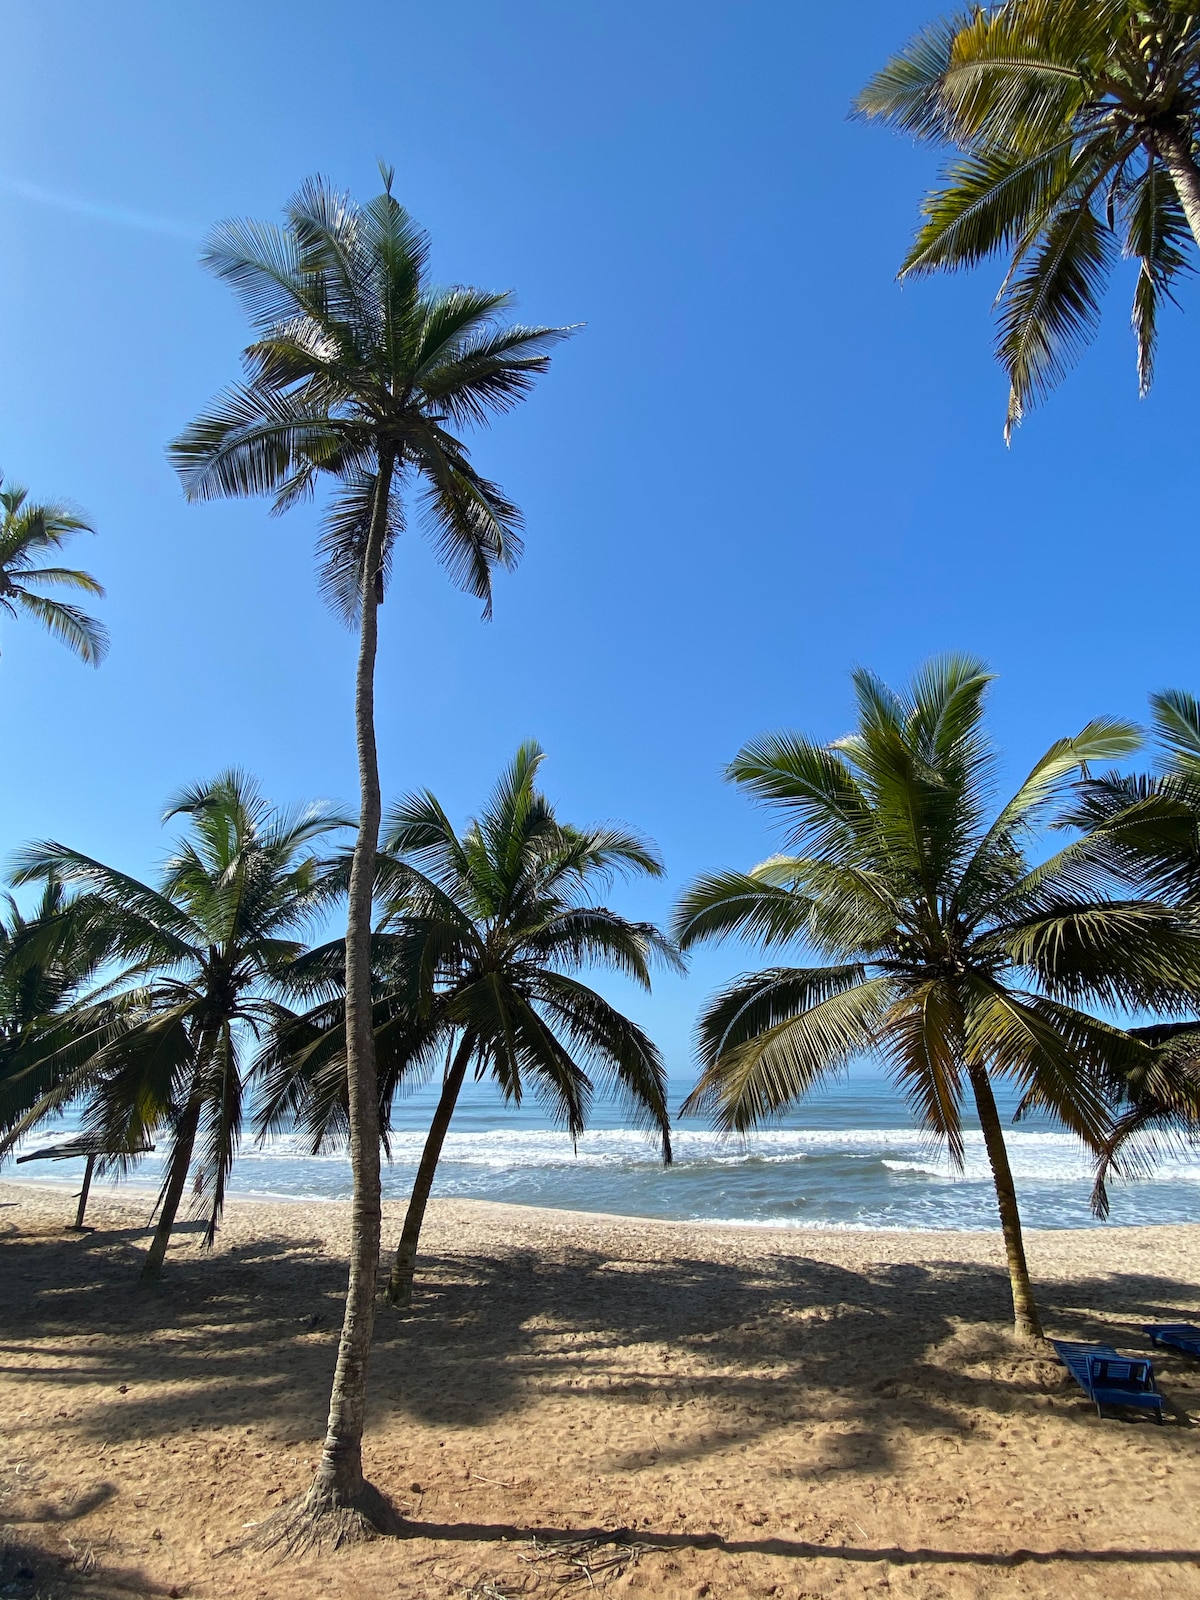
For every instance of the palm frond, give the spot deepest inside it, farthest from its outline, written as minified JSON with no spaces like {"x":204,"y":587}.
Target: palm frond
{"x":79,"y":632}
{"x":768,"y":1039}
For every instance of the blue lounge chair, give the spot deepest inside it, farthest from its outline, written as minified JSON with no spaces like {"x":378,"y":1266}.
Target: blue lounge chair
{"x":1177,"y":1335}
{"x":1109,"y":1378}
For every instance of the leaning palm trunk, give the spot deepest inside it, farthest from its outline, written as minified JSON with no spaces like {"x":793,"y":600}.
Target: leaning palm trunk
{"x":341,"y":1505}
{"x":1025,"y":1313}
{"x":181,"y":1160}
{"x":1176,"y":152}
{"x":405,"y":1265}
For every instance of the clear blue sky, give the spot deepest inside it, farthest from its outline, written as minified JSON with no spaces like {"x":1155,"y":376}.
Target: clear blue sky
{"x":760,"y":463}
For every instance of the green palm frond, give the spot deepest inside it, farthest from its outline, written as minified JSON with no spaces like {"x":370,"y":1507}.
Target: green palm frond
{"x":1177,"y":730}
{"x":993,"y":868}
{"x":1075,"y":128}
{"x":250,"y":440}
{"x":1124,"y":954}
{"x":907,"y":92}
{"x":1049,"y":307}
{"x":768,"y":1039}
{"x":1158,"y":236}
{"x":64,"y":577}
{"x":725,"y":903}
{"x":989,"y":204}
{"x":78,"y":631}
{"x":342,"y":546}
{"x":1056,"y":1056}
{"x":27,"y":531}
{"x":825,"y":807}
{"x":923,"y":1038}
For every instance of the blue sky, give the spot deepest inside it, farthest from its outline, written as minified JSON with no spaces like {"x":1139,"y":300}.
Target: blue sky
{"x":760,"y":463}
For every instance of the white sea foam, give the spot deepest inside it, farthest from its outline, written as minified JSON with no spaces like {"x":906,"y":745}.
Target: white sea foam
{"x":825,"y":1174}
{"x":1038,"y":1155}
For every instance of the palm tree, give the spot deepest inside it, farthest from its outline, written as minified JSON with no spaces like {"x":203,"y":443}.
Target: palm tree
{"x":46,"y":962}
{"x":363,"y":371}
{"x":161,"y":1046}
{"x":1149,"y":827}
{"x":952,"y":957}
{"x":479,"y":938}
{"x":1075,"y":124}
{"x":28,"y":533}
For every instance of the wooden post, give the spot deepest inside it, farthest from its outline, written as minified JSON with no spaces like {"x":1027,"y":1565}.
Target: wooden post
{"x":83,"y":1193}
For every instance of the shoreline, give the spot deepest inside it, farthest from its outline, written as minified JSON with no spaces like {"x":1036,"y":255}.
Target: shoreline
{"x":325,"y":1223}
{"x":103,"y":1192}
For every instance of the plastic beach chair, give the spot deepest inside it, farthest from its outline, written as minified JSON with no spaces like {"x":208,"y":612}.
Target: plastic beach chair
{"x":1177,"y":1335}
{"x":1109,"y":1378}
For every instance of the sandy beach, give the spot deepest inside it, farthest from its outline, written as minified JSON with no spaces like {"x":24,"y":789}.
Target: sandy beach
{"x":581,"y":1402}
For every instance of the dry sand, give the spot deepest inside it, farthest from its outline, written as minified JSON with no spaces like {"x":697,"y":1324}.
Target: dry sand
{"x":763,"y":1412}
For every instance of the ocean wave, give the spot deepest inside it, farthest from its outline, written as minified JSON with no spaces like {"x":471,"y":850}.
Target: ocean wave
{"x":825,"y":1174}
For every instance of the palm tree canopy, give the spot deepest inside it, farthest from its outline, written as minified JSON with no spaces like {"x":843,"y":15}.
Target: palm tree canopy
{"x":481,"y":936}
{"x":45,"y":963}
{"x":359,"y":357}
{"x":1075,"y":124}
{"x":949,"y":952}
{"x":199,"y":961}
{"x":29,"y":534}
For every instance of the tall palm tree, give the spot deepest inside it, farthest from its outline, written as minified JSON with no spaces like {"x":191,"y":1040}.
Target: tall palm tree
{"x":478,"y":943}
{"x":951,"y":957}
{"x":363,"y":371}
{"x":28,"y":534}
{"x":161,"y":1047}
{"x":1076,"y":125}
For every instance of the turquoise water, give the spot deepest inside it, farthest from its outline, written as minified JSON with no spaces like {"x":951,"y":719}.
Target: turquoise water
{"x":849,"y":1158}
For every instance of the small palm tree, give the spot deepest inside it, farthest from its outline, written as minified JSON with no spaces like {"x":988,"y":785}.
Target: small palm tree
{"x":1076,"y":124}
{"x":362,"y":371}
{"x":28,"y":533}
{"x":953,"y":958}
{"x":162,"y":1045}
{"x":477,"y":947}
{"x":1149,"y":828}
{"x":46,"y":963}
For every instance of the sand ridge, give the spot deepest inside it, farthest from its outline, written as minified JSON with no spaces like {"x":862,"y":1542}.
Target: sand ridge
{"x":749,"y":1411}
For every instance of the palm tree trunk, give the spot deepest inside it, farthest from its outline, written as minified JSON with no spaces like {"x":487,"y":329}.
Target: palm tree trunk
{"x":1025,"y":1313}
{"x":339,"y":1491}
{"x":405,"y":1264}
{"x":1176,"y":151}
{"x":181,"y":1160}
{"x":81,"y":1209}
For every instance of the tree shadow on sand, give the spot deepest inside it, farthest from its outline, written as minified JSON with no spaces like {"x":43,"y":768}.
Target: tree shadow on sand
{"x":772,"y":1344}
{"x":648,"y":1539}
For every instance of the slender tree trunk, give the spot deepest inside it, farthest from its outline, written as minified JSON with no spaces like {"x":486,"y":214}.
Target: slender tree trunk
{"x":1025,"y":1312}
{"x":339,"y":1492}
{"x":181,"y":1160}
{"x":81,"y":1208}
{"x":405,"y":1264}
{"x":1176,"y":151}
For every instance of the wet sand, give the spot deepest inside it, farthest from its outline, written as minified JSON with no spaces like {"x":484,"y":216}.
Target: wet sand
{"x":749,"y":1412}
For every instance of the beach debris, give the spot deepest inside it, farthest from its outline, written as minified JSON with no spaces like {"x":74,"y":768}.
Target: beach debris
{"x":595,"y":1560}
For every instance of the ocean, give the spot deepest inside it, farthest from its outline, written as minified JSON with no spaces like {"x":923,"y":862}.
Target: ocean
{"x":850,"y":1157}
